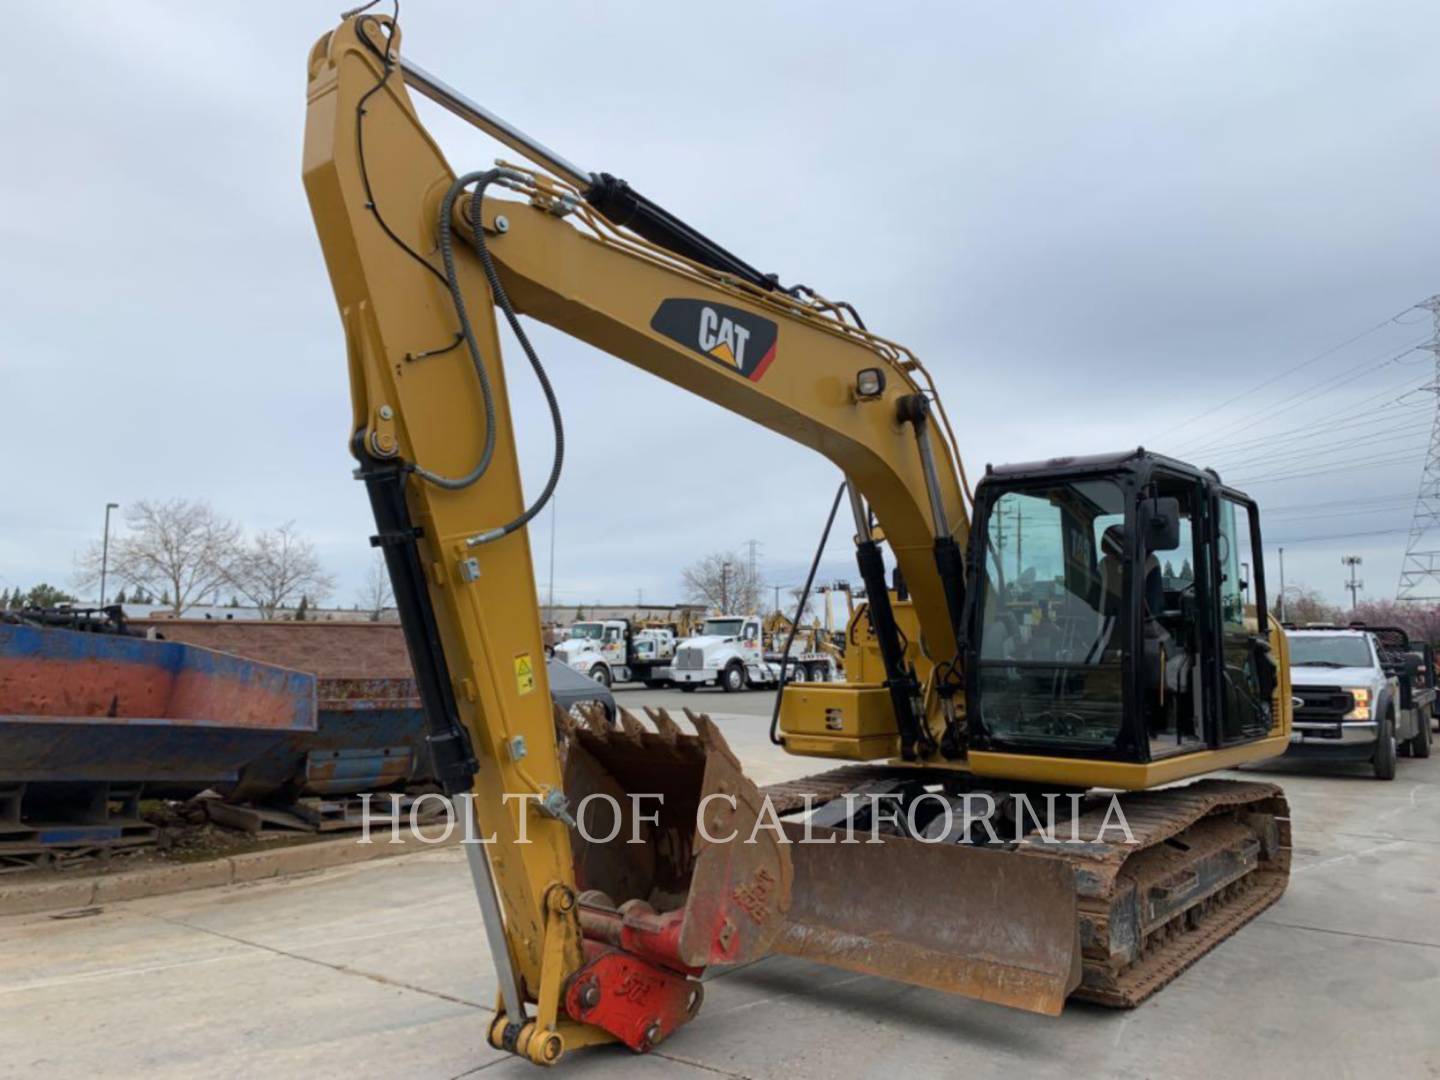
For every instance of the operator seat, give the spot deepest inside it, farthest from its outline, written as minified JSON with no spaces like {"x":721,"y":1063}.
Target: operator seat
{"x":1112,"y":600}
{"x":1112,"y":608}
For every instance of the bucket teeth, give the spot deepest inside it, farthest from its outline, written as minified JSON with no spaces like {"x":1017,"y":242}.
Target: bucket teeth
{"x":595,"y":718}
{"x":664,"y":725}
{"x":631,"y":725}
{"x":564,"y":722}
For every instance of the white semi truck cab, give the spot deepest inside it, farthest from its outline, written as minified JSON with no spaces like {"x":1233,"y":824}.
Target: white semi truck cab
{"x":729,"y":652}
{"x":610,"y":651}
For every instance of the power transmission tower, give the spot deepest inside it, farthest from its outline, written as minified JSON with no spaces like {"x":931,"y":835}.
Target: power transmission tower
{"x":1420,"y":570}
{"x":1352,"y":561}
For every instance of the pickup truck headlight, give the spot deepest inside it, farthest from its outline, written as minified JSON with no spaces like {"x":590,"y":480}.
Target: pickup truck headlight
{"x":1361,"y":696}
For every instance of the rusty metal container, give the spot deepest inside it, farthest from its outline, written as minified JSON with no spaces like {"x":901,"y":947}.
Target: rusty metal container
{"x":79,"y":707}
{"x":370,"y":729}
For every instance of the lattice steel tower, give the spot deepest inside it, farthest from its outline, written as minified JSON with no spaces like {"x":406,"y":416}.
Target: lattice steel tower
{"x":1420,"y":570}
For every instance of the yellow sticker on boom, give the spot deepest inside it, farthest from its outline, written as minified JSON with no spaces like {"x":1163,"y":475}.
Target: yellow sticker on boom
{"x":524,"y":673}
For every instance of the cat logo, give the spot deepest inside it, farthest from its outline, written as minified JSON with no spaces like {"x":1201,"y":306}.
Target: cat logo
{"x":723,"y":338}
{"x":741,"y":341}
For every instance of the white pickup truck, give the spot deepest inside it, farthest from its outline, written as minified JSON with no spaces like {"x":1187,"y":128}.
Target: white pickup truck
{"x":729,"y":652}
{"x":1361,"y":694}
{"x":612,"y":652}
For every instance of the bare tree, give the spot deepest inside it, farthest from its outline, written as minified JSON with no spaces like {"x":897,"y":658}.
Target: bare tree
{"x":276,"y":568}
{"x":1305,"y":605}
{"x":1420,"y":621}
{"x":722,"y":582}
{"x":178,"y":548}
{"x":376,"y":595}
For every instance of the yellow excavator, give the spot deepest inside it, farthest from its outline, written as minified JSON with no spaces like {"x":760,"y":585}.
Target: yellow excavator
{"x":1049,"y":651}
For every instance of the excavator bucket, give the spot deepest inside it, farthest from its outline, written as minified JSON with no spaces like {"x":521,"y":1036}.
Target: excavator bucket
{"x":641,"y":846}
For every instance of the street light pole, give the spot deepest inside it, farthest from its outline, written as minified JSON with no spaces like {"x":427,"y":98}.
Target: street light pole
{"x":1352,"y":561}
{"x":105,"y":550}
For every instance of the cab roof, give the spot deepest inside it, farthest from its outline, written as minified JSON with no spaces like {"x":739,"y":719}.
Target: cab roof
{"x":1139,"y":460}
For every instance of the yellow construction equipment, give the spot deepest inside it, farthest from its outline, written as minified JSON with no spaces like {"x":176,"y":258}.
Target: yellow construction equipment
{"x":1078,"y":624}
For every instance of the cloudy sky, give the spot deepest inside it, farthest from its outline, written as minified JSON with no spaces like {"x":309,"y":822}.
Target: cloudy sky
{"x":1101,"y":224}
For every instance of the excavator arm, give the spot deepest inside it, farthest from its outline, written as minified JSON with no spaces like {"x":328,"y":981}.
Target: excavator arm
{"x":420,"y":324}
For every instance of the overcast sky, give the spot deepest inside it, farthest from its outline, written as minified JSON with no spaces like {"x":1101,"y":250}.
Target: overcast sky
{"x":1096,"y":222}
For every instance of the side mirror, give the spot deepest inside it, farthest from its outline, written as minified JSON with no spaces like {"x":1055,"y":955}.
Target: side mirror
{"x":1160,"y":524}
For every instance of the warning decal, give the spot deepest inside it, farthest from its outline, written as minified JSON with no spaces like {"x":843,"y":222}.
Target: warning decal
{"x":524,"y":673}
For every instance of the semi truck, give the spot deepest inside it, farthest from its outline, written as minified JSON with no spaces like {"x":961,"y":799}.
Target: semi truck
{"x":730,"y":652}
{"x":614,"y":651}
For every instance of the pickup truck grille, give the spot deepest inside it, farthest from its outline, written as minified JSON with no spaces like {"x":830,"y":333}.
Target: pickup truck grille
{"x":690,"y":659}
{"x":1322,"y":703}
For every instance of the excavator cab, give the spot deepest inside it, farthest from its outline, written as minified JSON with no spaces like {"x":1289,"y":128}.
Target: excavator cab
{"x":1116,"y":614}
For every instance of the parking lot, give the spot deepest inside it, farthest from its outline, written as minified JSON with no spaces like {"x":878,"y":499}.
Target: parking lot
{"x":381,"y":969}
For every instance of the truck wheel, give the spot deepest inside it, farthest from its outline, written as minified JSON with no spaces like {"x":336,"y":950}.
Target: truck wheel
{"x":733,"y":678}
{"x":1385,"y":749}
{"x":1420,"y":745}
{"x":816,"y":673}
{"x":601,"y":674}
{"x":797,"y":674}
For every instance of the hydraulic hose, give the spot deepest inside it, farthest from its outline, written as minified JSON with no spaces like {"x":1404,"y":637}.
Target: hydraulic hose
{"x":800,"y":611}
{"x":482,"y":180}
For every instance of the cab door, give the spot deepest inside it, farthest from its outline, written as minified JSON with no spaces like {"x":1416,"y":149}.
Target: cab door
{"x":750,"y":641}
{"x":613,"y":646}
{"x":1245,"y":671}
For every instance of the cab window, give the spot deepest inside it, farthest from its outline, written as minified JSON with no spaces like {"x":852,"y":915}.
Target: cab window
{"x":1052,"y":615}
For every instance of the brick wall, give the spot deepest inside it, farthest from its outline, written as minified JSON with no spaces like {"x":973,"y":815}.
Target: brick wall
{"x":330,"y":650}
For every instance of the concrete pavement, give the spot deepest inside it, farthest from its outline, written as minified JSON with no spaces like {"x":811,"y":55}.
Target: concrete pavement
{"x":380,"y":969}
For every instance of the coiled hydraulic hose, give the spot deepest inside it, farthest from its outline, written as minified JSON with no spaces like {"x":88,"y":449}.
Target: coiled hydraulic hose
{"x":482,"y":180}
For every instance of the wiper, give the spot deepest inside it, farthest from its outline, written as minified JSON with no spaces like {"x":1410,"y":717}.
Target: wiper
{"x":1319,"y":663}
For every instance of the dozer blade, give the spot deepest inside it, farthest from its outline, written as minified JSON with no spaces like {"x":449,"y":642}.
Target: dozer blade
{"x":986,"y":924}
{"x":653,"y":858}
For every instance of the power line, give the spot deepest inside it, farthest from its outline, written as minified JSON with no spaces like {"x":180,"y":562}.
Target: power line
{"x":1345,"y":411}
{"x":1321,"y":455}
{"x":1311,"y":432}
{"x":1398,"y":460}
{"x":1290,"y":371}
{"x":1339,"y":536}
{"x":1364,"y":500}
{"x":1291,"y":519}
{"x":1349,"y":375}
